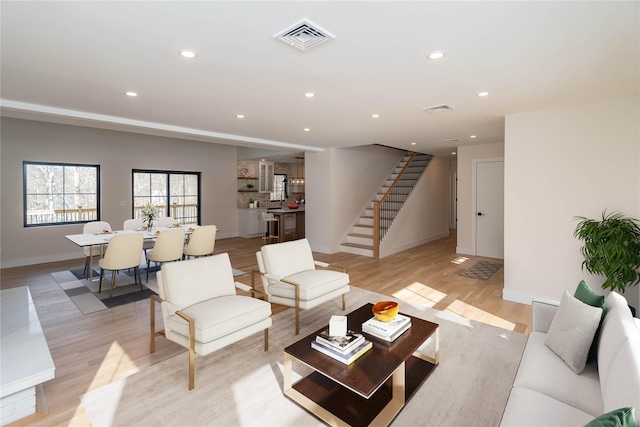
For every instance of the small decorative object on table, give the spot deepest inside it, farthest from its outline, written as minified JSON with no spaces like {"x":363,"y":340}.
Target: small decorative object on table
{"x":149,"y":214}
{"x":345,"y":349}
{"x":293,"y":206}
{"x":385,"y":311}
{"x":387,"y":323}
{"x":338,"y":326}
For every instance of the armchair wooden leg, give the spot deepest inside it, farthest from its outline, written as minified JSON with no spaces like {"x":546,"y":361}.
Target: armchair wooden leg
{"x":152,"y":323}
{"x":344,"y":302}
{"x":192,"y":348}
{"x":266,"y":339}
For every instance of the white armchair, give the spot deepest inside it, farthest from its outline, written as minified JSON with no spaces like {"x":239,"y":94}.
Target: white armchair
{"x":289,"y":277}
{"x":201,"y":310}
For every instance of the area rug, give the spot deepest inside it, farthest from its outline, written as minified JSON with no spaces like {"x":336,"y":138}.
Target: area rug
{"x":241,"y":385}
{"x":482,"y":270}
{"x":87,"y":299}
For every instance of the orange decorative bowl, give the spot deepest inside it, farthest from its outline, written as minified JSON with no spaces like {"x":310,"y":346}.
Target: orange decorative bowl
{"x":293,"y":206}
{"x":385,"y":311}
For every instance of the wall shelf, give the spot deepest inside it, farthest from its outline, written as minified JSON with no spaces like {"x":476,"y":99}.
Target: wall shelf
{"x":247,"y":177}
{"x":247,"y":191}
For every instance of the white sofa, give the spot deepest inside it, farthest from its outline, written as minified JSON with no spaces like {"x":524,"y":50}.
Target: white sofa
{"x":546,"y":392}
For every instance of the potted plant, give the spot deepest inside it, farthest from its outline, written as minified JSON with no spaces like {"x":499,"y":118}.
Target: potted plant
{"x":611,"y":248}
{"x":249,"y":186}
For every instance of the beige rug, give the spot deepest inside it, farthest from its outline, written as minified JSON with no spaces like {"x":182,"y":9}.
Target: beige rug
{"x":241,"y":385}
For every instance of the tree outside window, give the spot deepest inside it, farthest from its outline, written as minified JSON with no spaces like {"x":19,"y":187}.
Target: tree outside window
{"x":60,"y":193}
{"x":176,"y":194}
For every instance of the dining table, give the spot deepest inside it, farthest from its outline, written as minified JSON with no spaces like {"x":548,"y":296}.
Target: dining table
{"x":102,"y":238}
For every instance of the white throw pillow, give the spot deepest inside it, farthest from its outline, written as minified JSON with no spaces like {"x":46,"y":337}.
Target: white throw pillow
{"x":572,"y":331}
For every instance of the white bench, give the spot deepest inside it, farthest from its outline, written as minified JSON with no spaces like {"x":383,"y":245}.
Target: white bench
{"x":24,"y":355}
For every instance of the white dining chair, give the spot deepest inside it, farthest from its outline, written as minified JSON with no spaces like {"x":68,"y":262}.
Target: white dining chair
{"x":201,"y":242}
{"x":137,"y":224}
{"x":123,"y":252}
{"x":91,"y":251}
{"x":165,"y":221}
{"x":169,"y":246}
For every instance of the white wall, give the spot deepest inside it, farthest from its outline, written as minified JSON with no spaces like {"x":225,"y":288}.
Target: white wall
{"x":425,"y":215}
{"x":117,"y":153}
{"x":466,"y":212}
{"x":562,"y":163}
{"x":353,"y":175}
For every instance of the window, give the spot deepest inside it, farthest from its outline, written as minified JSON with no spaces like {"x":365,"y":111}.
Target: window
{"x":176,"y":194}
{"x":279,"y":187}
{"x":60,"y":193}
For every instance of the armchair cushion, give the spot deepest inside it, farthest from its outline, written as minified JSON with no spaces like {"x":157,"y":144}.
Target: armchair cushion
{"x":285,"y":259}
{"x":189,"y":282}
{"x":219,"y":317}
{"x":313,"y":284}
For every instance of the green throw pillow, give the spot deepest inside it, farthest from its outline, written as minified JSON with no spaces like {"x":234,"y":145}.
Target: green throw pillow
{"x":587,"y":296}
{"x":623,"y":417}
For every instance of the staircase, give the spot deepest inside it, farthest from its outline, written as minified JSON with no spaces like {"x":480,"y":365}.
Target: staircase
{"x":378,"y":216}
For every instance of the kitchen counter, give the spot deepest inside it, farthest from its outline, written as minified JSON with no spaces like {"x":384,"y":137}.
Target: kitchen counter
{"x":285,"y":210}
{"x":250,"y":221}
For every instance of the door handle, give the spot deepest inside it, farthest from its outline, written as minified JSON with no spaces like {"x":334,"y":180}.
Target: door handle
{"x":480,"y":214}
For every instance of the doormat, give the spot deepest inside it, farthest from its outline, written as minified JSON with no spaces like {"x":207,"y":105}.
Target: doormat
{"x":481,"y":270}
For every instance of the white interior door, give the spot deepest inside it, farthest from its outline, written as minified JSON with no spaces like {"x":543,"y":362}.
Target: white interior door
{"x":489,"y":213}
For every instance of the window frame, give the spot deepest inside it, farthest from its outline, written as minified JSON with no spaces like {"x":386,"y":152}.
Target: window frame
{"x":25,"y":194}
{"x":168,"y":173}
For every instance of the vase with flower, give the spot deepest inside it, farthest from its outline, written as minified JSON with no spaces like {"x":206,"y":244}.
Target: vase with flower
{"x":149,"y":214}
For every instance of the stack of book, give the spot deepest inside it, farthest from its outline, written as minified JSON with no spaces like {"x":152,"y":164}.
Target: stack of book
{"x":387,"y":331}
{"x":345,"y":349}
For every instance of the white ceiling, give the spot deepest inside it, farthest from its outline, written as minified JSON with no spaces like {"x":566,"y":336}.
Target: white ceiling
{"x":71,"y":62}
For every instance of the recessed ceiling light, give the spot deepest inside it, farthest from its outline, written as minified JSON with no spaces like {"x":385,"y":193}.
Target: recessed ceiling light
{"x":453,"y":152}
{"x":472,"y":136}
{"x":131,"y":93}
{"x":240,"y":116}
{"x":483,"y":93}
{"x":436,"y":55}
{"x":309,"y":94}
{"x":307,"y":129}
{"x":375,"y":116}
{"x":413,"y":143}
{"x":188,"y":54}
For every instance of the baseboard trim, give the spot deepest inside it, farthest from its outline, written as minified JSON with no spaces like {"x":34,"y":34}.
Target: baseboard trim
{"x":519,"y":296}
{"x":465,"y":251}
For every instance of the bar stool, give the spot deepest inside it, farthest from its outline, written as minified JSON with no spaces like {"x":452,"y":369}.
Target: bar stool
{"x":270,"y":228}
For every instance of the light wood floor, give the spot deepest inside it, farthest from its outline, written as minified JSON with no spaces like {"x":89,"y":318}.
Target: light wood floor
{"x":92,"y":350}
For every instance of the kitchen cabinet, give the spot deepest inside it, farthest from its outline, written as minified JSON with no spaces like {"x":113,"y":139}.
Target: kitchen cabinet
{"x":265,"y":177}
{"x":250,"y":222}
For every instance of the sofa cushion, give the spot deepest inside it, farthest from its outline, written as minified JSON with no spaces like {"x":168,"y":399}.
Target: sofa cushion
{"x":585,"y":294}
{"x":529,"y":408}
{"x":221,"y":316}
{"x":622,"y":417}
{"x":313,"y":284}
{"x":543,"y":371}
{"x":572,"y":330}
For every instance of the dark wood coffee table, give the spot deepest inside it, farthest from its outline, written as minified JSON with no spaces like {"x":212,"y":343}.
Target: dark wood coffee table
{"x":371,"y":390}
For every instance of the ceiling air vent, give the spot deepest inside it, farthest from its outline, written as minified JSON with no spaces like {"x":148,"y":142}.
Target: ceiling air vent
{"x":303,"y":35}
{"x":437,"y":108}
